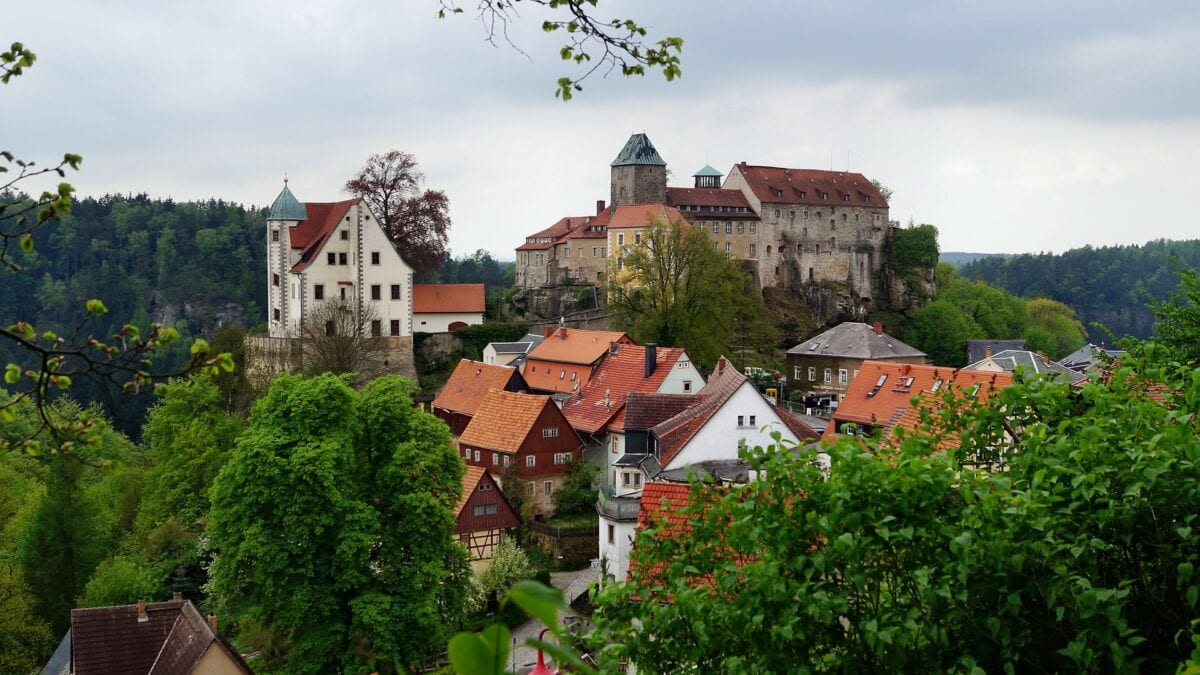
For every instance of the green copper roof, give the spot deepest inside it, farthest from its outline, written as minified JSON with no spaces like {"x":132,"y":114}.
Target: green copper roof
{"x":287,"y":207}
{"x":708,"y":171}
{"x":638,"y":150}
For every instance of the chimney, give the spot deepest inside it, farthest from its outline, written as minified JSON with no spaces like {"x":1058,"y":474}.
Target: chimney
{"x":177,"y":596}
{"x":547,"y":331}
{"x":212,"y":621}
{"x":987,"y":352}
{"x":878,"y":328}
{"x":651,"y":357}
{"x":142,"y":617}
{"x":599,"y":206}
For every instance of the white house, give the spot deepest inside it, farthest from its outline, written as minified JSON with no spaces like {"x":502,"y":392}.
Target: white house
{"x":320,"y":252}
{"x":438,"y":308}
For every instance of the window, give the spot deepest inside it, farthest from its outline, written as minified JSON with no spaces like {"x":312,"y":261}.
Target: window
{"x":329,"y":328}
{"x":530,"y":460}
{"x":687,"y":386}
{"x":615,"y":443}
{"x":843,"y":376}
{"x":637,"y":237}
{"x":792,"y":216}
{"x":274,"y":235}
{"x":812,"y":374}
{"x":374,"y":257}
{"x":506,"y":460}
{"x":376,"y":328}
{"x":612,"y":534}
{"x":728,"y":228}
{"x":843,"y":217}
{"x":467,"y":453}
{"x":345,"y":235}
{"x":342,"y":258}
{"x":550,"y":432}
{"x":620,"y":239}
{"x":495,"y":460}
{"x":275,"y":314}
{"x":637,"y":480}
{"x":342,"y":291}
{"x":595,"y":250}
{"x":728,"y":247}
{"x":753,"y":228}
{"x":395,"y":328}
{"x":716,"y":228}
{"x":741,"y":421}
{"x":395,"y":291}
{"x":485,"y":510}
{"x":566,"y":251}
{"x":319,"y":292}
{"x":752,"y":420}
{"x":331,"y":258}
{"x":547,"y":486}
{"x":477,"y":455}
{"x":530,"y":488}
{"x":828,"y":376}
{"x":274,"y":279}
{"x":562,"y":458}
{"x":376,"y":291}
{"x":603,"y":251}
{"x":741,"y":228}
{"x":776,"y":213}
{"x":753,"y":250}
{"x":626,"y":478}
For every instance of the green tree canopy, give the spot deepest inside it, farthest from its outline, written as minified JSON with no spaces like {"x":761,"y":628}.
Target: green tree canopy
{"x":1177,"y":319}
{"x":1053,"y":328}
{"x":675,"y":288}
{"x":941,"y":331}
{"x":332,"y":523}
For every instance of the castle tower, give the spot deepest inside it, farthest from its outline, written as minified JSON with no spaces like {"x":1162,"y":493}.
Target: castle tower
{"x":639,"y":174}
{"x":286,"y":212}
{"x":707,"y":177}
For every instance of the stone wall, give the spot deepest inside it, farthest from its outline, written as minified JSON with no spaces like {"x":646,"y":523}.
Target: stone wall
{"x":638,"y":184}
{"x":837,"y":244}
{"x":267,"y":357}
{"x":565,"y":546}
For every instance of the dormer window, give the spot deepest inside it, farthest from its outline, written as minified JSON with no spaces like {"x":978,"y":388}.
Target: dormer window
{"x":825,"y":196}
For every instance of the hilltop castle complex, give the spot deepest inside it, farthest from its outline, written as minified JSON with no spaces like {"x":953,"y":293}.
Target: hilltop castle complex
{"x":789,"y":227}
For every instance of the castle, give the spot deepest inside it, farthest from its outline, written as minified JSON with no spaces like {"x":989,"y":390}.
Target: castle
{"x":790,"y":227}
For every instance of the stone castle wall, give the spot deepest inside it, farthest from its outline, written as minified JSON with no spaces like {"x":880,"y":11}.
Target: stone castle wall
{"x":268,"y":357}
{"x":638,"y":184}
{"x":843,"y":245}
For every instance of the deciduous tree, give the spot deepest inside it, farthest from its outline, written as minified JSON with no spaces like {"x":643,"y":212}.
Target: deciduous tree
{"x":417,"y":220}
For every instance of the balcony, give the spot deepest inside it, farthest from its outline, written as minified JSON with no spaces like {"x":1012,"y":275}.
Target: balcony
{"x":619,"y":508}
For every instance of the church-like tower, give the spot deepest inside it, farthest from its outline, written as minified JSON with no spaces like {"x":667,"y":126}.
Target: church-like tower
{"x":286,"y":212}
{"x":639,"y":174}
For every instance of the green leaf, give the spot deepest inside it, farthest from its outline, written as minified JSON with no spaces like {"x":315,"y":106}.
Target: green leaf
{"x":96,"y":308}
{"x":542,"y":602}
{"x":469,"y":655}
{"x":27,"y":243}
{"x":200,"y":347}
{"x":12,"y":373}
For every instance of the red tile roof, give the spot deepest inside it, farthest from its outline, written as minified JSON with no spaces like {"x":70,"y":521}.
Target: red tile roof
{"x":445,"y":298}
{"x":674,"y":433}
{"x":310,"y":234}
{"x":779,"y":185}
{"x":544,"y":239}
{"x":603,"y":398}
{"x":643,"y":411}
{"x":802,"y":432}
{"x":882,"y":392}
{"x":576,"y":345}
{"x":470,"y":383}
{"x":503,"y":420}
{"x":470,"y":483}
{"x":710,"y":202}
{"x":641,"y":215}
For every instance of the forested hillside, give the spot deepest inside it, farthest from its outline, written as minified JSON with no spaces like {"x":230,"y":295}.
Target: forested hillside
{"x":1103,"y":285}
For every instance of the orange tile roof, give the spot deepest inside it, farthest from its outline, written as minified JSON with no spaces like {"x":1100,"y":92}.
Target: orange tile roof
{"x":566,"y":378}
{"x":503,"y":420}
{"x":442,"y":298}
{"x":310,"y":234}
{"x":470,"y":383}
{"x":575,"y":345}
{"x":470,"y":482}
{"x":546,"y":238}
{"x":868,"y":402}
{"x":602,"y":400}
{"x":776,"y":185}
{"x":641,"y":215}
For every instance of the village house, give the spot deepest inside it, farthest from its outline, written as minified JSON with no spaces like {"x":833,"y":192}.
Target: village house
{"x":1031,"y":363}
{"x":822,"y":367}
{"x":331,"y":254}
{"x":145,"y":638}
{"x":466,"y":388}
{"x":511,"y":353}
{"x":483,"y":516}
{"x":438,"y":308}
{"x":1090,"y":358}
{"x":567,"y":357}
{"x":528,"y":431}
{"x":882,"y":393}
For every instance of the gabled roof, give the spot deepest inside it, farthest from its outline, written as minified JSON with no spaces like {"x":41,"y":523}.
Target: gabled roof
{"x":802,"y":432}
{"x":503,"y":420}
{"x":603,"y":398}
{"x":977,"y":349}
{"x":814,"y":187}
{"x":576,"y":345}
{"x":882,"y":392}
{"x":664,"y":502}
{"x":710,"y":200}
{"x":1011,"y":359}
{"x":673,"y":434}
{"x":1088,"y":356}
{"x":547,"y":238}
{"x":643,"y":411}
{"x":469,"y":384}
{"x":447,"y":298}
{"x":171,"y":640}
{"x":853,"y":340}
{"x":642,"y":215}
{"x":638,"y":150}
{"x":310,"y":234}
{"x":470,"y":483}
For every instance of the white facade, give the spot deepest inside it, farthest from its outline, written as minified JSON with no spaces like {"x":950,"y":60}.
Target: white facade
{"x":355,"y":263}
{"x":439,"y":322}
{"x":616,"y":541}
{"x":746,"y":418}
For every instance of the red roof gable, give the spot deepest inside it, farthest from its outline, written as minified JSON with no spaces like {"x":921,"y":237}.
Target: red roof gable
{"x":447,"y":298}
{"x":310,"y":234}
{"x":813,"y":187}
{"x":548,"y":237}
{"x":642,"y":215}
{"x":882,"y":392}
{"x":564,"y":361}
{"x":710,"y":203}
{"x":673,"y":434}
{"x":504,"y":419}
{"x":470,"y":383}
{"x":618,"y":374}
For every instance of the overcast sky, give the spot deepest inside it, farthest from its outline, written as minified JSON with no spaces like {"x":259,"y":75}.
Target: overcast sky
{"x":1015,"y":126}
